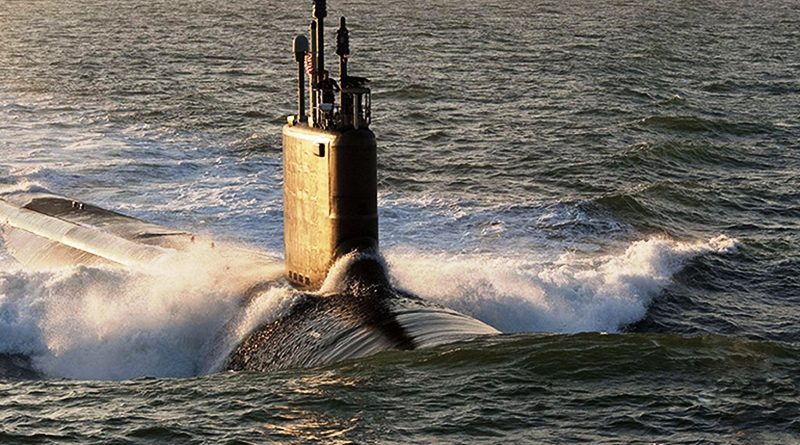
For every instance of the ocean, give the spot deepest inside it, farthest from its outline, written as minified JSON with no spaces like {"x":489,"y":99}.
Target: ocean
{"x":613,"y":185}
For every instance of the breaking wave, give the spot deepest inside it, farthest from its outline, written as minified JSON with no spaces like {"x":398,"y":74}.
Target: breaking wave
{"x":573,"y":294}
{"x":109,"y":323}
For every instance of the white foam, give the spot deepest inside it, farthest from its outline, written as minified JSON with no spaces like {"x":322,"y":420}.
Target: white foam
{"x":599,"y":293}
{"x":335,"y":282}
{"x":107,"y":323}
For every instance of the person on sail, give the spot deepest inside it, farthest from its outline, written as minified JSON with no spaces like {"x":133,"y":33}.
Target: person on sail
{"x":329,"y":88}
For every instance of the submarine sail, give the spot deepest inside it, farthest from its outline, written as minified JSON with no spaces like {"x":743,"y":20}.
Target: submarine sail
{"x":329,"y":162}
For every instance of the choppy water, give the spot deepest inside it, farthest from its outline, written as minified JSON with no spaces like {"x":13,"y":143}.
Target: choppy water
{"x":614,"y":185}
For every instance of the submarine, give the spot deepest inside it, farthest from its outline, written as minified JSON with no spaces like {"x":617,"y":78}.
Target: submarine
{"x":345,"y":304}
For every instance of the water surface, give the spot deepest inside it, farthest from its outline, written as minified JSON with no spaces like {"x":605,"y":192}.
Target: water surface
{"x":613,"y":185}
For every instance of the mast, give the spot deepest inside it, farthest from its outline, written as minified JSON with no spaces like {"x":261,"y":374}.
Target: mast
{"x":300,"y":47}
{"x":343,"y":50}
{"x":319,"y":12}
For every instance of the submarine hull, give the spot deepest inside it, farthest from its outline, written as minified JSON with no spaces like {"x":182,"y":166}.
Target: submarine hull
{"x":321,"y":330}
{"x":356,"y":314}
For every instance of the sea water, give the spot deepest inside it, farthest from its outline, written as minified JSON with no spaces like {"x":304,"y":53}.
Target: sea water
{"x":613,"y":185}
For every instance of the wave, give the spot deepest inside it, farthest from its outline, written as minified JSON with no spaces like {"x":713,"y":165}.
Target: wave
{"x":674,"y":153}
{"x":599,"y":356}
{"x":698,"y":125}
{"x":575,"y":293}
{"x":108,"y":323}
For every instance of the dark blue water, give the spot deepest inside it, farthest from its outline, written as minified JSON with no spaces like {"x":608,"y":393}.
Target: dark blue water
{"x":613,"y":185}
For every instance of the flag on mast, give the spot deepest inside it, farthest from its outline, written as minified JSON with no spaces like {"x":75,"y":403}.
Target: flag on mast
{"x":309,"y":60}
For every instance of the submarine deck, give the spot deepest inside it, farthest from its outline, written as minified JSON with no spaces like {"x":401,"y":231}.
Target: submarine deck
{"x":43,"y":230}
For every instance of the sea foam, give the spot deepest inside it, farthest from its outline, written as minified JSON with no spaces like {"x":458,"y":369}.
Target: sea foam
{"x":575,"y":293}
{"x":110,"y":323}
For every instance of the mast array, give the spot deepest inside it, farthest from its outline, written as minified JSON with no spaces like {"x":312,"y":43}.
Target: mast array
{"x":354,"y":109}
